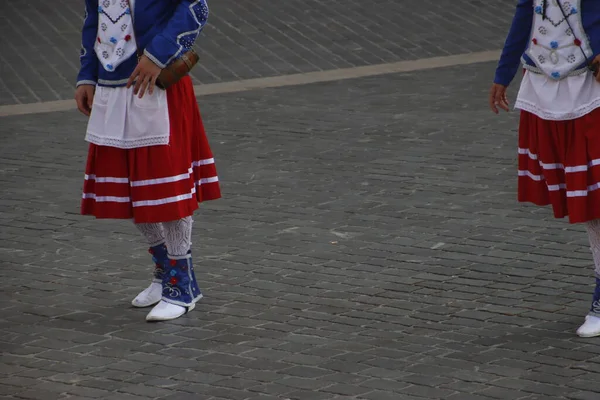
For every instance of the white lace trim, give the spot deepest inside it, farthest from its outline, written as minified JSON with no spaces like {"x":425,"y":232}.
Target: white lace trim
{"x":556,"y":116}
{"x":101,"y":140}
{"x":561,"y":100}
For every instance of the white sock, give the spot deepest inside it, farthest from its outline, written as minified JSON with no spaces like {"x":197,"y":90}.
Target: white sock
{"x":178,"y":236}
{"x":593,"y":229}
{"x":153,"y":233}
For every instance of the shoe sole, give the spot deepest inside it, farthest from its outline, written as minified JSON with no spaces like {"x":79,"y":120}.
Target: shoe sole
{"x":156,"y":319}
{"x":588,"y":335}
{"x":143,"y":305}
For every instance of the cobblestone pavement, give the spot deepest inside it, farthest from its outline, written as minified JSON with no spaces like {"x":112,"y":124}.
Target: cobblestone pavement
{"x":40,"y":40}
{"x":369,"y":246}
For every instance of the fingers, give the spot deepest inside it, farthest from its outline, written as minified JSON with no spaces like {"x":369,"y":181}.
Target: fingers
{"x":134,"y":75}
{"x":492,"y":101}
{"x":79,"y":105}
{"x":501,"y":100}
{"x":141,"y":85}
{"x":90,"y":98}
{"x":503,"y":104}
{"x":141,"y":78}
{"x":152,"y":84}
{"x":82,"y":104}
{"x":144,"y":86}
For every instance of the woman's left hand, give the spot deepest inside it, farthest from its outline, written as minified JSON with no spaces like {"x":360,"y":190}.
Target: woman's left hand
{"x":146,"y":74}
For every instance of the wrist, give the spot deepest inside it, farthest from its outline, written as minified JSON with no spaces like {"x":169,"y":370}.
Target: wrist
{"x":85,"y":82}
{"x":154,"y":60}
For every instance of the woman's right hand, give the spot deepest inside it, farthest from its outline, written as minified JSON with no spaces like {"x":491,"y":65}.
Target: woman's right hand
{"x":84,"y":96}
{"x":596,"y":62}
{"x":498,"y":98}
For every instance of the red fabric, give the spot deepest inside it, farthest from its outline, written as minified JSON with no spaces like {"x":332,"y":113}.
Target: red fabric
{"x":117,"y":181}
{"x":559,"y":165}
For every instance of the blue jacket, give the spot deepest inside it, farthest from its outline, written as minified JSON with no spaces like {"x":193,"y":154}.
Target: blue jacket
{"x":519,"y":37}
{"x":165,"y":29}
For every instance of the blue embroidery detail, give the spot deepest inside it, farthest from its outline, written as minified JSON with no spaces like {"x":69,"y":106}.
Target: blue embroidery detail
{"x":109,"y":67}
{"x":160,"y":258}
{"x":596,"y":299}
{"x":554,"y":45}
{"x":538,"y":10}
{"x":113,"y":40}
{"x":556,"y":75}
{"x":182,"y":289}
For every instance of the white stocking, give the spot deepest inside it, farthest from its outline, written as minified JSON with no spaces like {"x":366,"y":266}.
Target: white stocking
{"x":153,"y":233}
{"x":178,"y":236}
{"x":593,"y":228}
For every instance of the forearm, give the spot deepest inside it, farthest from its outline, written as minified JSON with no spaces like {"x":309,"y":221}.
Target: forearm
{"x":516,"y":43}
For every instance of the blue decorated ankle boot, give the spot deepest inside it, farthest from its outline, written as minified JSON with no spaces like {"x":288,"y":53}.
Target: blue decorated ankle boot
{"x":153,"y":293}
{"x":180,"y":291}
{"x":591,"y":326}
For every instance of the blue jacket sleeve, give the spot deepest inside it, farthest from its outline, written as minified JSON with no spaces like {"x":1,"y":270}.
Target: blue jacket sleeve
{"x":180,"y":33}
{"x":88,"y":73}
{"x":591,"y":22}
{"x":516,"y":43}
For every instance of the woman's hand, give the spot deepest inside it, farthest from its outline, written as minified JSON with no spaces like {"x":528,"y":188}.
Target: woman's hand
{"x":596,"y":62}
{"x":498,"y":98}
{"x":84,"y":96}
{"x":146,"y":74}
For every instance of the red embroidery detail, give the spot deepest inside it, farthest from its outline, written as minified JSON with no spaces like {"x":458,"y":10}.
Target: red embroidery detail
{"x":173,"y":281}
{"x":577,"y":42}
{"x":99,"y":41}
{"x":534,"y":41}
{"x":127,"y":38}
{"x":151,"y":251}
{"x":173,"y":263}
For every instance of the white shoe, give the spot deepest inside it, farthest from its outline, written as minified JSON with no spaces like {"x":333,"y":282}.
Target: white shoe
{"x":165,"y":311}
{"x":590,"y":328}
{"x":149,"y":296}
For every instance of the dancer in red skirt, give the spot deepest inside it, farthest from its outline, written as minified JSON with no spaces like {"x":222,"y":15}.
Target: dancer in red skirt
{"x":558,"y":42}
{"x":149,"y":159}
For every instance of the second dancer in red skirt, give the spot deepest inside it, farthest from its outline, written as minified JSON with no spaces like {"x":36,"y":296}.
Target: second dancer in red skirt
{"x":149,"y":160}
{"x":558,"y":42}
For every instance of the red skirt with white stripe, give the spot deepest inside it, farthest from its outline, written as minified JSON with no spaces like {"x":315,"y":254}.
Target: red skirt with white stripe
{"x":559,"y":164}
{"x":155,"y":183}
